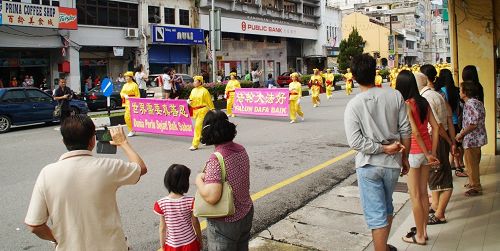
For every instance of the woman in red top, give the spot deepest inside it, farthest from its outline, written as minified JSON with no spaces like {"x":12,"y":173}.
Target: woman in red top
{"x":422,"y":153}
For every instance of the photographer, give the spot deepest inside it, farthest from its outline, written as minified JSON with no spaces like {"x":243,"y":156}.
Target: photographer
{"x":77,"y":194}
{"x":63,"y":95}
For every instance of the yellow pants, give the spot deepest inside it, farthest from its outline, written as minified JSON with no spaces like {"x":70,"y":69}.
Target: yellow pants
{"x":295,"y":109}
{"x":315,"y":94}
{"x":127,"y":118}
{"x":329,"y":90}
{"x":230,"y":102}
{"x":199,"y":116}
{"x":348,"y":88}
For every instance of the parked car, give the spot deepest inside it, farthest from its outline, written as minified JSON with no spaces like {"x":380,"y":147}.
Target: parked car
{"x":284,"y":79}
{"x":96,"y":100}
{"x":23,"y":106}
{"x":185,"y":77}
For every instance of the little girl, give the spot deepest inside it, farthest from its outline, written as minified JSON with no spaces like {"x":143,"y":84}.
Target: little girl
{"x":177,"y":223}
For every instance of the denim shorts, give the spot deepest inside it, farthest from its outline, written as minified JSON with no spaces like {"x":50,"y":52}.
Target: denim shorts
{"x":376,"y":185}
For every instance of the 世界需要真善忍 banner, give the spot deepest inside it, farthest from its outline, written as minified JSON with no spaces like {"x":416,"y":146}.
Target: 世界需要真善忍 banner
{"x":158,"y":116}
{"x":261,"y":102}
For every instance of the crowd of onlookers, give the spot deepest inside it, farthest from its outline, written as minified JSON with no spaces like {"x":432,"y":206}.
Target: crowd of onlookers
{"x":26,"y":81}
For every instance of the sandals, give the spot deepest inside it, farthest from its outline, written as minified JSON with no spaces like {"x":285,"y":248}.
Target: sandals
{"x":410,"y":238}
{"x":414,"y":230}
{"x":472,"y":192}
{"x":433,"y":220}
{"x":459,"y":172}
{"x":391,"y":247}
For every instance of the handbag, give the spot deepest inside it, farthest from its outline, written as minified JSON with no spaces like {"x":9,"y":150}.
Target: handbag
{"x":225,"y":206}
{"x":57,"y":111}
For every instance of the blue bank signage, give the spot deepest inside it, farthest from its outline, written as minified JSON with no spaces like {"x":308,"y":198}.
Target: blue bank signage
{"x":176,"y":35}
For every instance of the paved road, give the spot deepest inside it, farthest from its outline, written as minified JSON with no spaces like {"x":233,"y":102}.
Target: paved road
{"x":278,"y":150}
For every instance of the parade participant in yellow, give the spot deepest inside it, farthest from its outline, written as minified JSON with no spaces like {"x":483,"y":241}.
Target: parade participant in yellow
{"x":393,"y":77}
{"x":129,"y":90}
{"x":378,"y":79}
{"x":200,"y":102}
{"x":231,"y":86}
{"x":295,"y":89}
{"x":348,"y":81}
{"x":329,"y":81}
{"x":316,"y":83}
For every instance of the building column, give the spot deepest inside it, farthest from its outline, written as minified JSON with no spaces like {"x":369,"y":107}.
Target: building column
{"x":73,"y":79}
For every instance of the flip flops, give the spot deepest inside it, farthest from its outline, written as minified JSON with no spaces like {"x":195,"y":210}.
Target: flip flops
{"x":433,"y":220}
{"x":414,"y":230}
{"x":410,"y":238}
{"x":472,"y":192}
{"x":459,"y":172}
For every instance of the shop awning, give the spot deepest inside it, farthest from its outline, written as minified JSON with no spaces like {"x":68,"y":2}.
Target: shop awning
{"x":169,"y":54}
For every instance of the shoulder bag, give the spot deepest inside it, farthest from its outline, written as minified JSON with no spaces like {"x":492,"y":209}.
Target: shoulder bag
{"x":225,"y":206}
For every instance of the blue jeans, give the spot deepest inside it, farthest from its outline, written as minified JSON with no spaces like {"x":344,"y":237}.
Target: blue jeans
{"x":376,"y":185}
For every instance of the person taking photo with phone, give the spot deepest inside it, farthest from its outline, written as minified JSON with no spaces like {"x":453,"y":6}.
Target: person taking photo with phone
{"x":77,"y":194}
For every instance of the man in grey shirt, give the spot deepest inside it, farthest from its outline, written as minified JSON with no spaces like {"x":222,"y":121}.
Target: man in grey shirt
{"x":377,"y":126}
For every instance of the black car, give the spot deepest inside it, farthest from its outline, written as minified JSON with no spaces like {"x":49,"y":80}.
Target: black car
{"x":24,"y":106}
{"x":96,"y":100}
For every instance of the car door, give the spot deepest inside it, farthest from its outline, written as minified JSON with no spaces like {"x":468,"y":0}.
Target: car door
{"x":43,"y":105}
{"x":17,"y":106}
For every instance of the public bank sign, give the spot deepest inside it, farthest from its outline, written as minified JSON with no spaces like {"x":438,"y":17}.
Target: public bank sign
{"x":33,"y":15}
{"x":176,"y":35}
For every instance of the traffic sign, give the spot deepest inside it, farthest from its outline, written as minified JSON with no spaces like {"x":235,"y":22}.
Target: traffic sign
{"x":106,"y":87}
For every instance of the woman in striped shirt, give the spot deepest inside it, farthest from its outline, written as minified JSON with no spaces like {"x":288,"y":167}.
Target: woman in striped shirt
{"x":179,"y":229}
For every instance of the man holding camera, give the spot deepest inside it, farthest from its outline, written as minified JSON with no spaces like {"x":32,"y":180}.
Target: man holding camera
{"x":78,"y":193}
{"x":63,"y":95}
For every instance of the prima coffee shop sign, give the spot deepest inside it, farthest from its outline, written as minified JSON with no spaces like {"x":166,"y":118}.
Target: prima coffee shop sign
{"x":34,"y":15}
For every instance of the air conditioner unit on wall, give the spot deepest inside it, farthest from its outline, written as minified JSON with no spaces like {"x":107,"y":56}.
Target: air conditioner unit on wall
{"x":132,"y":33}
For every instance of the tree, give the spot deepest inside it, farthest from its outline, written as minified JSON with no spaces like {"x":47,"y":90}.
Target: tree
{"x":349,"y":48}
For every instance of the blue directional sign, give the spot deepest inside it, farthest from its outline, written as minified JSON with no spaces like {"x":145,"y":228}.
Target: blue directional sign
{"x":106,"y":87}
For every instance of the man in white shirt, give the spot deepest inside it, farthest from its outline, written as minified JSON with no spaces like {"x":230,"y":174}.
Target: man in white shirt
{"x":140,"y":78}
{"x":77,"y":194}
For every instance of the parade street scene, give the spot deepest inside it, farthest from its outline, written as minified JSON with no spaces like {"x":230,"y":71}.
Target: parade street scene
{"x":250,"y":125}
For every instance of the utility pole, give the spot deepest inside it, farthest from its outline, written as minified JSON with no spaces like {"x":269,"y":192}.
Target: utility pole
{"x":212,"y":43}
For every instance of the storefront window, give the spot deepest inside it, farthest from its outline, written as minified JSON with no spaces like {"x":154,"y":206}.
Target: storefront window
{"x":107,"y":13}
{"x":184,"y":17}
{"x":169,"y":16}
{"x":308,"y":10}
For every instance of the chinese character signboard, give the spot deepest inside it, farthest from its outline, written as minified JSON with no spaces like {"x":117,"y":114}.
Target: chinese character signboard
{"x":34,"y":15}
{"x":177,"y":35}
{"x":261,"y":102}
{"x":170,"y":117}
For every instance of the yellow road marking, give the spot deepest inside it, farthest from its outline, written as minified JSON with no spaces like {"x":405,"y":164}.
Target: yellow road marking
{"x":293,"y":179}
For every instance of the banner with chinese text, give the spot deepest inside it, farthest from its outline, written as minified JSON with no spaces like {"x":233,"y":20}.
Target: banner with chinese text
{"x":159,"y":116}
{"x":34,"y":15}
{"x":261,"y":102}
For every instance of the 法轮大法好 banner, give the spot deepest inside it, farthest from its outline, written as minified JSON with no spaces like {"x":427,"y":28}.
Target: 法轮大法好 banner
{"x":170,"y":117}
{"x":261,"y":102}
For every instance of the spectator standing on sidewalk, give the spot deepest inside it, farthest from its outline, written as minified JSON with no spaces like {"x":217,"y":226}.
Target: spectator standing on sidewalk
{"x":469,"y":73}
{"x":377,"y":126}
{"x":229,"y":233}
{"x":63,"y":95}
{"x":441,"y":179}
{"x":473,"y":135}
{"x":140,"y":78}
{"x":77,"y":194}
{"x":256,"y":77}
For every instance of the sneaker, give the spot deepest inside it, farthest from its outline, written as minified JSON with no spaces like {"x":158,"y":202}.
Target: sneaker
{"x":232,"y":116}
{"x":302,"y":118}
{"x":192,"y":148}
{"x":292,"y":121}
{"x":315,"y":105}
{"x":131,"y":134}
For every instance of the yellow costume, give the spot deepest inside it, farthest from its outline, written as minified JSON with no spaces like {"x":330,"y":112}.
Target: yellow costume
{"x":348,"y":82}
{"x":200,"y":103}
{"x":316,"y":83}
{"x":230,"y":87}
{"x":129,"y":90}
{"x":329,"y":81}
{"x":378,"y":80}
{"x":295,"y":89}
{"x":393,"y":77}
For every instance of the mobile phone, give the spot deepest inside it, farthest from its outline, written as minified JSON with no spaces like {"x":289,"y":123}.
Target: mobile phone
{"x":103,"y":138}
{"x":103,"y":135}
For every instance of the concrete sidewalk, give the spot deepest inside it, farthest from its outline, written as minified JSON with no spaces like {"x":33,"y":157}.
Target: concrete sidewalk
{"x":334,"y":220}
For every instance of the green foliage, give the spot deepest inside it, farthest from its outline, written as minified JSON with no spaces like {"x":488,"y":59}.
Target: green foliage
{"x":338,"y":77}
{"x":350,"y":47}
{"x":304,"y":79}
{"x":384,"y":73}
{"x":215,"y":89}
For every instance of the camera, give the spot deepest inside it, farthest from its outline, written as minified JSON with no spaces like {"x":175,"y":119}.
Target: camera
{"x":103,"y":137}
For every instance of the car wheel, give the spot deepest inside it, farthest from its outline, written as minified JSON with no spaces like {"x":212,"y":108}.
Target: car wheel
{"x":5,"y":124}
{"x":74,"y":111}
{"x":112,"y":104}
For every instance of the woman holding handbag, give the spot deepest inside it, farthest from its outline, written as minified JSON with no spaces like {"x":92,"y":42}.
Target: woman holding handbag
{"x":229,"y":163}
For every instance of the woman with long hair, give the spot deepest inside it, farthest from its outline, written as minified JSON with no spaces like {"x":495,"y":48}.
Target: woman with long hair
{"x":469,"y":73}
{"x":422,"y":153}
{"x":451,"y":94}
